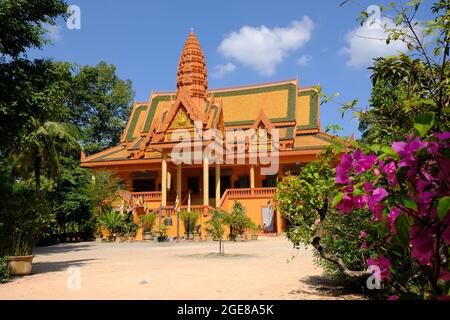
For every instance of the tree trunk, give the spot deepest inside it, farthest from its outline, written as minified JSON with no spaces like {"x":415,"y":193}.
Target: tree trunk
{"x":37,"y":173}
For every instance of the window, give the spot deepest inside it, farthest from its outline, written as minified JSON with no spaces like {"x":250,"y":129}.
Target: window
{"x":270,"y":182}
{"x":243,"y":182}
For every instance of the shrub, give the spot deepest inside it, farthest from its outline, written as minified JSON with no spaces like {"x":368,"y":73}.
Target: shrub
{"x":147,"y":222}
{"x":189,"y":221}
{"x":4,"y":271}
{"x":239,"y":221}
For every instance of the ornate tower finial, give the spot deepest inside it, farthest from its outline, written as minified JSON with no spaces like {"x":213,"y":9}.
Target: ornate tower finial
{"x":192,"y":73}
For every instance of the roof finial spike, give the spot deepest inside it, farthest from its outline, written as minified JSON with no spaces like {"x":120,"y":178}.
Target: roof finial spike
{"x":192,"y":29}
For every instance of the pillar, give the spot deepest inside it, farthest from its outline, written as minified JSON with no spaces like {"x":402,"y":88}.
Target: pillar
{"x":252,"y":176}
{"x":217,"y":185}
{"x":179,"y":182}
{"x":205,"y":181}
{"x":164,"y":180}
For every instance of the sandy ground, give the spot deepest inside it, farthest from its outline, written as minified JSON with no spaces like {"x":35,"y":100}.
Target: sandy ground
{"x":268,"y":268}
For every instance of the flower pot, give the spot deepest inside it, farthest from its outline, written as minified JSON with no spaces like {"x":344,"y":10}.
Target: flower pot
{"x":239,"y":237}
{"x":163,"y":239}
{"x":20,"y":265}
{"x":209,"y":237}
{"x":197,"y":238}
{"x":148,"y":236}
{"x":254,"y":237}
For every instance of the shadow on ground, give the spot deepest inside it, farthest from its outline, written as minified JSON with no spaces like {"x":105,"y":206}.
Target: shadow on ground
{"x":62,"y":247}
{"x":217,"y":255}
{"x":45,"y":267}
{"x":330,"y":288}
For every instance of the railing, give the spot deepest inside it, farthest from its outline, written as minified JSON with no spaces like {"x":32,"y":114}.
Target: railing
{"x":148,"y":195}
{"x":248,"y":193}
{"x":170,"y":210}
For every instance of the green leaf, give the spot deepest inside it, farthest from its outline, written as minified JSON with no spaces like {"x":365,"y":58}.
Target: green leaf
{"x":443,"y":207}
{"x":408,"y":203}
{"x":402,"y":226}
{"x":423,"y":123}
{"x":337,"y":199}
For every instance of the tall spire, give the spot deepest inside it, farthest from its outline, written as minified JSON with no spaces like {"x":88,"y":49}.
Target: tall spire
{"x":192,"y":73}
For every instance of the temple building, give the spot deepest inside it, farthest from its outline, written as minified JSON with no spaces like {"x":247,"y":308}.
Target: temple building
{"x":235,"y":143}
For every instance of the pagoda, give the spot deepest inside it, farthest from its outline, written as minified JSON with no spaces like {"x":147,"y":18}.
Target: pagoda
{"x":279,"y":120}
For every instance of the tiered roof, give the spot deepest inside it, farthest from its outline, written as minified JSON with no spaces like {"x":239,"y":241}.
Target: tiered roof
{"x":282,"y":105}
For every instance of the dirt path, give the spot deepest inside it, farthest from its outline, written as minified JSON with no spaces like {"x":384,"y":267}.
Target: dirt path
{"x":262,"y":269}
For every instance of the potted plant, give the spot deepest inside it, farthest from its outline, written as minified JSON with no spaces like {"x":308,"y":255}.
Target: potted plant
{"x":239,"y":221}
{"x":25,"y":219}
{"x":197,"y":233}
{"x":112,"y":222}
{"x":255,"y":229}
{"x":162,"y":233}
{"x":190,"y":222}
{"x":147,"y":221}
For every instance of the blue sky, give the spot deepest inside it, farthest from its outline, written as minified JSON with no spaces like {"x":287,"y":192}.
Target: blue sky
{"x":312,"y":40}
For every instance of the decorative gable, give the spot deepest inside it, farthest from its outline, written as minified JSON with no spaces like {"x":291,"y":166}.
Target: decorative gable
{"x":181,"y":120}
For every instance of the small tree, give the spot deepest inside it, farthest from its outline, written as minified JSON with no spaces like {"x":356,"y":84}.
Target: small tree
{"x":216,"y":225}
{"x":111,"y":221}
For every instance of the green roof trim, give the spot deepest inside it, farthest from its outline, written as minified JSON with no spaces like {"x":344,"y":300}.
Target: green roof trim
{"x":289,"y":134}
{"x":136,"y":113}
{"x":103,"y":157}
{"x":327,"y":139}
{"x":151,"y":113}
{"x":313,"y":109}
{"x":136,"y":145}
{"x":290,"y":115}
{"x":309,"y":148}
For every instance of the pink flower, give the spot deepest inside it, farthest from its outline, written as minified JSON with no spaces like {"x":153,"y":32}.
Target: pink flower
{"x":363,"y":162}
{"x":374,"y":203}
{"x":363,"y":234}
{"x":394,"y":297}
{"x":363,"y":245}
{"x":346,"y":204}
{"x":389,"y":170}
{"x":392,"y":215}
{"x":343,"y":169}
{"x":383,"y":264}
{"x":422,"y":243}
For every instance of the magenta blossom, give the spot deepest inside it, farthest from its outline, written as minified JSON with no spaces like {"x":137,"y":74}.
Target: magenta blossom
{"x":343,"y":169}
{"x":363,"y":162}
{"x":422,"y":243}
{"x":383,"y":264}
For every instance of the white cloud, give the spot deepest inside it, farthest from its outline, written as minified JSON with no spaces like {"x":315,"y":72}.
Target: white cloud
{"x":53,"y":32}
{"x":304,"y":60}
{"x":221,"y":70}
{"x":263,"y":48}
{"x":365,"y":43}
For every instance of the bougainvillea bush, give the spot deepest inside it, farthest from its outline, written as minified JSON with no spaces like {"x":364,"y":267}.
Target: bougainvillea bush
{"x":406,"y":187}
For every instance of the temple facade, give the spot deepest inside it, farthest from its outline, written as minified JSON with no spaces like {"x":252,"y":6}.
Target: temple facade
{"x":212,"y":147}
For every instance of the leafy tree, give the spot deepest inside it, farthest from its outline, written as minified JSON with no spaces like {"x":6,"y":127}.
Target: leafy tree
{"x":99,"y":103}
{"x":412,"y":83}
{"x":305,"y":200}
{"x":22,"y":24}
{"x":42,"y":147}
{"x":101,"y":191}
{"x":27,"y":88}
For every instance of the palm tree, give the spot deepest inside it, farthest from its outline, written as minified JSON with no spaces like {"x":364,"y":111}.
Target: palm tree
{"x":42,"y":147}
